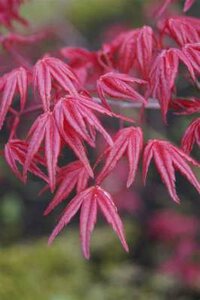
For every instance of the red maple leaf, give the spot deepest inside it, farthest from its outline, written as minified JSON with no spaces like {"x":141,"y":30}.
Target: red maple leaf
{"x":76,"y":122}
{"x":182,"y":29}
{"x":144,"y":49}
{"x":169,"y":158}
{"x":136,"y":46}
{"x":118,"y":85}
{"x":186,"y":106}
{"x":192,"y":52}
{"x":130,"y":141}
{"x":162,"y":78}
{"x":44,"y":128}
{"x":74,"y":174}
{"x":75,"y":142}
{"x":163,"y":74}
{"x":127,"y":50}
{"x":88,"y":200}
{"x":15,"y":153}
{"x":191,"y":135}
{"x":14,"y":82}
{"x":48,"y":69}
{"x":77,"y":112}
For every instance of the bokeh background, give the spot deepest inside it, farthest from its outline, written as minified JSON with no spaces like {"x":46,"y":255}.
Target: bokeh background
{"x":164,"y":258}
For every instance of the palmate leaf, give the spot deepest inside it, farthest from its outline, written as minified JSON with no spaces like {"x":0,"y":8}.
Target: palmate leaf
{"x":136,"y":46}
{"x":11,"y":83}
{"x":118,"y":85}
{"x":78,"y":113}
{"x":186,"y":106}
{"x":74,"y":174}
{"x":76,"y":122}
{"x":75,"y":142}
{"x":44,"y":129}
{"x":191,"y":135}
{"x":192,"y":52}
{"x":162,"y":78}
{"x":129,"y":141}
{"x":89,"y":200}
{"x":15,"y":153}
{"x":163,"y":74}
{"x":88,"y":218}
{"x":48,"y":69}
{"x":169,"y":158}
{"x":144,"y":49}
{"x":127,"y":51}
{"x":182,"y":29}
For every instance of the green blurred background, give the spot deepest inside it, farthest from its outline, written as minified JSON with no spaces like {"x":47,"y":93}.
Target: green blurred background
{"x":30,"y":269}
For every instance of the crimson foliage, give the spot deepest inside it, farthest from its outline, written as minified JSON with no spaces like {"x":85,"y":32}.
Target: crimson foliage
{"x":70,"y":92}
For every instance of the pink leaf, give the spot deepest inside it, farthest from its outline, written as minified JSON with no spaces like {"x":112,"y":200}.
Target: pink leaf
{"x":127,"y":50}
{"x":169,"y":158}
{"x":109,"y":211}
{"x":10,"y":83}
{"x":75,"y":120}
{"x":88,"y":218}
{"x":192,"y":53}
{"x":128,"y":140}
{"x":88,"y":201}
{"x":38,"y":132}
{"x":191,"y":135}
{"x":135,"y":146}
{"x":44,"y":129}
{"x":69,"y":212}
{"x":52,"y":148}
{"x":74,"y":141}
{"x":182,"y":29}
{"x":50,"y":68}
{"x":144,"y":49}
{"x":162,"y":77}
{"x":118,"y":85}
{"x":68,"y":177}
{"x":186,"y":106}
{"x":15,"y":152}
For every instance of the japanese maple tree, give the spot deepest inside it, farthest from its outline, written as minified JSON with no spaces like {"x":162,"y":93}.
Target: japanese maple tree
{"x":70,"y":93}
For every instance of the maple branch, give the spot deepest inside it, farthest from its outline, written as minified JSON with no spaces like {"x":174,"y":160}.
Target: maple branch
{"x":31,"y":109}
{"x":14,"y":127}
{"x":152,"y":104}
{"x":13,"y":111}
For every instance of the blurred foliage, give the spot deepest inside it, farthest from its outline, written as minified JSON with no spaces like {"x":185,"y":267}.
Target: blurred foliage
{"x":35,"y":271}
{"x":88,"y":17}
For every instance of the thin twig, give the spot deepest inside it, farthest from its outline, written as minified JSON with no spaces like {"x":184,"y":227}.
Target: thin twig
{"x":152,"y":104}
